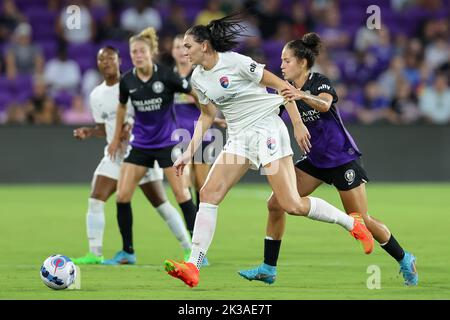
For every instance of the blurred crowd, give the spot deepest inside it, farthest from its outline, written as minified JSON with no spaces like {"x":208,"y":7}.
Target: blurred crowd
{"x":396,"y":74}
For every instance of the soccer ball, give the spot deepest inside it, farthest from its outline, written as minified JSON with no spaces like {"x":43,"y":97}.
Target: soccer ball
{"x":58,"y":272}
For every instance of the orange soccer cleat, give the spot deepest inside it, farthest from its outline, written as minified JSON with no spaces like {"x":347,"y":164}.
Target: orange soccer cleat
{"x":185,"y":271}
{"x":361,"y":233}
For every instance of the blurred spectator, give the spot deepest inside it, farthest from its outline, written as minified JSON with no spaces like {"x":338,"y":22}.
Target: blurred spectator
{"x":140,"y":16}
{"x":177,"y":22}
{"x":16,"y":114}
{"x":23,"y":56}
{"x":331,"y":30}
{"x":404,"y":108}
{"x":301,"y":21}
{"x":61,"y":73}
{"x":252,"y":47}
{"x":77,"y":114}
{"x":389,"y":78}
{"x":38,"y":96}
{"x":69,"y":31}
{"x":109,"y":28}
{"x":270,"y":17}
{"x":436,"y":53}
{"x":374,"y":105}
{"x":10,"y":17}
{"x":49,"y":114}
{"x":435,"y":101}
{"x":211,"y":12}
{"x":327,"y":66}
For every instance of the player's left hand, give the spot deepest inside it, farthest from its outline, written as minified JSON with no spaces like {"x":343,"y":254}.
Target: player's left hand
{"x":181,"y":162}
{"x":81,"y":133}
{"x":221,"y":123}
{"x":291,"y":93}
{"x":302,"y":136}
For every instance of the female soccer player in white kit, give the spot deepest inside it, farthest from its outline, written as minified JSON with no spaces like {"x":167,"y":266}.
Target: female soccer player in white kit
{"x":103,"y":103}
{"x":256,"y":137}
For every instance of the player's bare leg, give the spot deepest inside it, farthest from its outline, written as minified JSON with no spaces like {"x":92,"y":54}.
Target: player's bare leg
{"x":226,"y":172}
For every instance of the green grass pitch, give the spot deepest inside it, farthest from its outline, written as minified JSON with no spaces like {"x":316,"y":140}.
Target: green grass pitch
{"x":317,"y":260}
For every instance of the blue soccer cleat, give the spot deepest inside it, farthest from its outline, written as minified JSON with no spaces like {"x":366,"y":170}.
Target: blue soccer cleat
{"x":205,"y":262}
{"x":263,"y":272}
{"x":121,"y":257}
{"x":408,"y":269}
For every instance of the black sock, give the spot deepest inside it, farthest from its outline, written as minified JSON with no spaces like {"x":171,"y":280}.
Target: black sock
{"x":394,"y":249}
{"x":271,"y":251}
{"x":125,"y":220}
{"x":189,"y":213}
{"x":197,"y":198}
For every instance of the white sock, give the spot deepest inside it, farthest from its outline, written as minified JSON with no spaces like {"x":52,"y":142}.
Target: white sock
{"x":95,"y":224}
{"x":323,"y":211}
{"x":175,"y":223}
{"x":205,"y":225}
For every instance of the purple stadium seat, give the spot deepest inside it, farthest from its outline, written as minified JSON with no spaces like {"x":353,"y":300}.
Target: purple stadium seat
{"x":63,"y":99}
{"x":5,"y":100}
{"x":273,"y":48}
{"x":84,"y":49}
{"x":49,"y":48}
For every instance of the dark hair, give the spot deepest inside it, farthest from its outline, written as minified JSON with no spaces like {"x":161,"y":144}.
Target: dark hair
{"x":222,"y":33}
{"x":306,"y":48}
{"x":108,"y":47}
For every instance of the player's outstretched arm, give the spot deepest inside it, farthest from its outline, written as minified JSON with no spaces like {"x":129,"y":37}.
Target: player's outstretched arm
{"x":87,"y":132}
{"x":321,"y":102}
{"x":206,"y":119}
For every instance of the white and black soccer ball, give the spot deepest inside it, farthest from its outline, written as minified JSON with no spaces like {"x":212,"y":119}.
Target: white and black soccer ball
{"x":58,"y":272}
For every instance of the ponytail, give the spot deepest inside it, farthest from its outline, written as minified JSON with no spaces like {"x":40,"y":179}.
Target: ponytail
{"x":222,"y":34}
{"x":148,"y":36}
{"x":306,"y":48}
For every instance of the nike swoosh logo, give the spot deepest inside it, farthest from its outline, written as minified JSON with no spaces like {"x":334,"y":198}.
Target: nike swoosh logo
{"x":133,"y":90}
{"x":260,"y":276}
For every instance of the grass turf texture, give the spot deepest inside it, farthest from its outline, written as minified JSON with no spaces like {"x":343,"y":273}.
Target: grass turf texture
{"x":317,"y":260}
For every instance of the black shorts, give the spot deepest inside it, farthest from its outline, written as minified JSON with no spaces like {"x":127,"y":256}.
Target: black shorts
{"x":205,"y":154}
{"x":345,"y":177}
{"x":147,"y":157}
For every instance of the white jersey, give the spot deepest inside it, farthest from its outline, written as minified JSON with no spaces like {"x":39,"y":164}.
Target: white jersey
{"x":233,"y":85}
{"x":103,"y":101}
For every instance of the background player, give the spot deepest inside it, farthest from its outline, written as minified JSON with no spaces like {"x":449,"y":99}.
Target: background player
{"x":150,"y":87}
{"x":256,"y":137}
{"x":334,"y":159}
{"x":103,"y":102}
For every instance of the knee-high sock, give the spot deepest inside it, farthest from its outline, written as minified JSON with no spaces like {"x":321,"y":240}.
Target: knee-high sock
{"x":323,"y":211}
{"x":189,"y":213}
{"x":175,"y":223}
{"x":125,"y":220}
{"x":95,"y":225}
{"x":205,"y":225}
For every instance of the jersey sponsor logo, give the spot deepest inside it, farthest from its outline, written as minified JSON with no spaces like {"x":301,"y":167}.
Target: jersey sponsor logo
{"x":310,"y":115}
{"x":224,"y":82}
{"x":253,"y":66}
{"x":147,"y":105}
{"x":349,"y":175}
{"x":324,"y":86}
{"x":158,"y":87}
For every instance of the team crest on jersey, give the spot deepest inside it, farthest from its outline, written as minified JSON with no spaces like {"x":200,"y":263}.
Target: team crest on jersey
{"x":224,"y":82}
{"x":349,"y":176}
{"x":158,"y":87}
{"x":271,"y":143}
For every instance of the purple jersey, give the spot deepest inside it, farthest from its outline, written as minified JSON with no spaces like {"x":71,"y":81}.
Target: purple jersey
{"x":332,"y":145}
{"x":153,"y":105}
{"x":187,"y":112}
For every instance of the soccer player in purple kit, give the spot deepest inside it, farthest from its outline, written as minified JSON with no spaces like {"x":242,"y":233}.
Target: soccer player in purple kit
{"x":150,"y":86}
{"x":333,"y":159}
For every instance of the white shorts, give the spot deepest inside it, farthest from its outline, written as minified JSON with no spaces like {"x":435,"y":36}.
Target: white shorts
{"x":111,"y":169}
{"x":265,"y":141}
